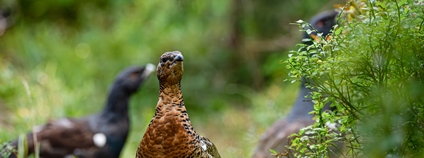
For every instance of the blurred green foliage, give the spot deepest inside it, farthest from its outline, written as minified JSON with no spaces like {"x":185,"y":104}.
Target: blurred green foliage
{"x":59,"y":57}
{"x":372,"y":70}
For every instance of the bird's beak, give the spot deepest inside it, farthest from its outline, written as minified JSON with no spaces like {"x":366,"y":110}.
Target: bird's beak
{"x":179,"y":57}
{"x":149,"y":69}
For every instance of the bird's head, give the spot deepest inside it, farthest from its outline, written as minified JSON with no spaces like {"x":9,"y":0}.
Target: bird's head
{"x":129,"y":80}
{"x":170,"y":68}
{"x":323,"y":23}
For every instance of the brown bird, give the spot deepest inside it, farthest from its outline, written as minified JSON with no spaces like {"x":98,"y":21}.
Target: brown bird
{"x":101,"y":135}
{"x":170,"y":133}
{"x":275,"y":137}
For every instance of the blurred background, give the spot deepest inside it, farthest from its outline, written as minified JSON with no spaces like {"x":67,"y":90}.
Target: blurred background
{"x":58,"y":58}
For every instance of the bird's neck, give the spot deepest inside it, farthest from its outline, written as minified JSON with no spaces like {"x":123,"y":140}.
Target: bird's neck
{"x":171,"y":109}
{"x":170,"y":98}
{"x":117,"y":102}
{"x":302,"y":105}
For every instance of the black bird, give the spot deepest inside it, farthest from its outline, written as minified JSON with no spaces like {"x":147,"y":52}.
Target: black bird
{"x":101,"y":135}
{"x":276,"y":136}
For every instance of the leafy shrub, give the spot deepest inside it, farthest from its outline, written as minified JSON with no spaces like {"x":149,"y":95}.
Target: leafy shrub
{"x":372,"y":70}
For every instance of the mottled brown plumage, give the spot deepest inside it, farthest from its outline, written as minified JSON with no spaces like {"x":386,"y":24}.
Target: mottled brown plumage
{"x":170,"y":133}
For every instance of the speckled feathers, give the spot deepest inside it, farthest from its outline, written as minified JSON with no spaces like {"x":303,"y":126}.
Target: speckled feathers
{"x":170,"y":133}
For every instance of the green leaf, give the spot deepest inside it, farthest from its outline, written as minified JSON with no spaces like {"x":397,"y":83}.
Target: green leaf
{"x":381,"y":4}
{"x":273,"y":151}
{"x":338,"y":31}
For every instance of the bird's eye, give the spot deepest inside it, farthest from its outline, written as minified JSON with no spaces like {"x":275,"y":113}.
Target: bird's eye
{"x":164,"y":60}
